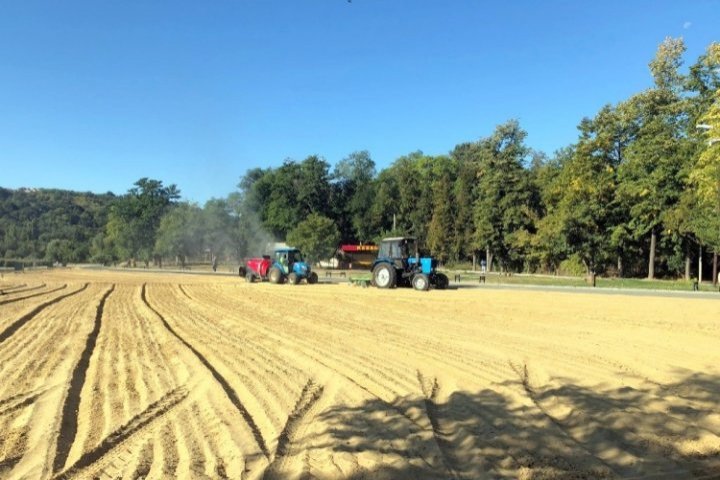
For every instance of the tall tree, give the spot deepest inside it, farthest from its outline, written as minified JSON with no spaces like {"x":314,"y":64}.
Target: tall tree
{"x":440,"y":230}
{"x":501,"y":209}
{"x":220,"y":229}
{"x":180,"y":233}
{"x":705,"y":175}
{"x":134,"y":218}
{"x":584,"y":208}
{"x":466,"y":157}
{"x":354,"y":191}
{"x":653,"y":175}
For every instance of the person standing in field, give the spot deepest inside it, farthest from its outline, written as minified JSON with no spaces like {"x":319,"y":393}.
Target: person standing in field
{"x":214,"y":263}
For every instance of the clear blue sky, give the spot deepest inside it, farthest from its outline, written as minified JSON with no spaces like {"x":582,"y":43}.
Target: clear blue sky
{"x":97,"y":94}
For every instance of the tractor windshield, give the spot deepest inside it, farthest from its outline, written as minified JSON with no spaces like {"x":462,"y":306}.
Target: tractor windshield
{"x":397,"y":248}
{"x":295,"y":256}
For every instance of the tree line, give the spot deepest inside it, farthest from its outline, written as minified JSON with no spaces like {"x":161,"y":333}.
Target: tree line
{"x":637,"y":194}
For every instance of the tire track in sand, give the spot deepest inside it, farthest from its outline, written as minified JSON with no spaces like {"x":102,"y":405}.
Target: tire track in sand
{"x":17,"y":324}
{"x":229,"y":391}
{"x":154,"y":411}
{"x":442,"y":438}
{"x":309,"y":397}
{"x":69,"y":419}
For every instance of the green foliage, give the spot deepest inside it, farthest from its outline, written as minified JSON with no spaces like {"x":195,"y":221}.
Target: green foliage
{"x":180,"y":233}
{"x":440,"y":230}
{"x":134,"y":218}
{"x":317,"y":237}
{"x":220,"y":229}
{"x":30,"y":219}
{"x":60,"y":251}
{"x":353,"y":191}
{"x":503,"y":210}
{"x":572,"y":266}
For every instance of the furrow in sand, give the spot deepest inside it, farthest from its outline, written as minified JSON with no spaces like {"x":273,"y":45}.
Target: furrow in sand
{"x":224,"y":384}
{"x":69,"y":419}
{"x":57,"y":335}
{"x":17,"y":324}
{"x":154,"y":412}
{"x":26,"y":297}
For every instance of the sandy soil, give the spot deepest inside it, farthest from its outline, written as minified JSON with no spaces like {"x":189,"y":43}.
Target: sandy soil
{"x":136,"y":375}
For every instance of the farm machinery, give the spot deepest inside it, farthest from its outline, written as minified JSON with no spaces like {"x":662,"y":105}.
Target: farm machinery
{"x":286,"y":264}
{"x":399,"y":264}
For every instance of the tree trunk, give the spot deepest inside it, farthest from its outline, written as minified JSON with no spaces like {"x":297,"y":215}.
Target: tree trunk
{"x":715,"y":269}
{"x":651,"y":260}
{"x":700,"y":265}
{"x":488,"y":259}
{"x":592,"y":278}
{"x":620,"y":266}
{"x":474,"y":261}
{"x":687,"y":265}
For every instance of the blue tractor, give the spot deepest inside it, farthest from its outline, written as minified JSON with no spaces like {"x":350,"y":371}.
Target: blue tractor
{"x":399,"y":264}
{"x":289,"y":264}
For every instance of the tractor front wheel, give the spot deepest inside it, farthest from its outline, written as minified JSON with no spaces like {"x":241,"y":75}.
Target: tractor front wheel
{"x":420,"y":281}
{"x":249,"y":277}
{"x":384,"y":276}
{"x":275,"y":275}
{"x":293,"y":278}
{"x":312,"y":278}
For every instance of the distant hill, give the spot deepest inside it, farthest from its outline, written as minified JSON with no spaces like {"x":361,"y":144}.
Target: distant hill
{"x":36,"y":223}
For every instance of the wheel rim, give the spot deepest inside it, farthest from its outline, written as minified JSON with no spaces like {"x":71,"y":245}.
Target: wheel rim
{"x":420,"y":283}
{"x":382,"y":278}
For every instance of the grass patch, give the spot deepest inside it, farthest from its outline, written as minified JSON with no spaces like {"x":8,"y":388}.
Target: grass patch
{"x":602,"y":282}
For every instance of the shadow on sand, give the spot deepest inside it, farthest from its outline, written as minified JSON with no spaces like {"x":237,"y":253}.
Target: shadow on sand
{"x":526,"y":431}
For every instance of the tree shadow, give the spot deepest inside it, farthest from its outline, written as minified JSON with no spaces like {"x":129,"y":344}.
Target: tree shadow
{"x":532,"y":432}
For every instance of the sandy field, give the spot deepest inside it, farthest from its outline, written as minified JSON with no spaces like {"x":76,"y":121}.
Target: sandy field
{"x":108,"y":374}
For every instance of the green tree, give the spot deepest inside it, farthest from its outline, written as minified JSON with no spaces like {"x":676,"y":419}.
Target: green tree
{"x":549,"y":245}
{"x":652,"y":177}
{"x":440,"y":230}
{"x":585,"y":207}
{"x":316,"y":236}
{"x":705,"y":174}
{"x":354,"y":190}
{"x":59,"y":251}
{"x":502,"y":208}
{"x":180,"y":234}
{"x":220,"y":228}
{"x":134,"y":218}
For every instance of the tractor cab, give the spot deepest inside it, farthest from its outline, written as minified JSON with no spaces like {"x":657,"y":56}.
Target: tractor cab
{"x":398,"y":251}
{"x":286,"y":258}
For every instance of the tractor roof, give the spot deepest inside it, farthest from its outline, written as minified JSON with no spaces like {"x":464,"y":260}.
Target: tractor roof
{"x":288,"y":249}
{"x":395,"y":239}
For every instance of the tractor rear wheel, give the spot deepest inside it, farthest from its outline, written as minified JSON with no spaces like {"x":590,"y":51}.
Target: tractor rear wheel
{"x":275,"y":275}
{"x":441,"y":281}
{"x":420,"y":281}
{"x":293,"y":278}
{"x":384,"y":276}
{"x":312,"y":278}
